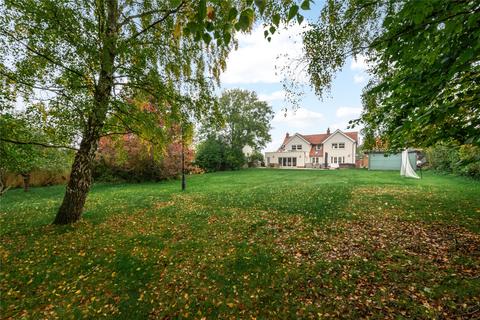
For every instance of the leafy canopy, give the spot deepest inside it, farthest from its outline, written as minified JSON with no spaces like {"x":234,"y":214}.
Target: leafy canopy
{"x":171,"y":52}
{"x":245,"y":120}
{"x":24,"y":158}
{"x":424,"y":62}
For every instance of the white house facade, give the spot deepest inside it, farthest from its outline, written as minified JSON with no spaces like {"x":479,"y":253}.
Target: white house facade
{"x":325,"y":150}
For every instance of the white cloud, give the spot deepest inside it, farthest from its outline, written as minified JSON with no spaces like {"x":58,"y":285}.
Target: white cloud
{"x":299,"y":120}
{"x":359,"y":78}
{"x":273,"y":96}
{"x":348,"y":112}
{"x":360,"y":63}
{"x":260,"y":61}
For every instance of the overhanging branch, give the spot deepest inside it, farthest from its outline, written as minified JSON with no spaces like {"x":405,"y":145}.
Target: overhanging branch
{"x":41,"y":144}
{"x":153,"y":24}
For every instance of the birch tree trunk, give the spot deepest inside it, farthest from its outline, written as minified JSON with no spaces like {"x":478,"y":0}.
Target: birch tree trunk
{"x":81,"y":175}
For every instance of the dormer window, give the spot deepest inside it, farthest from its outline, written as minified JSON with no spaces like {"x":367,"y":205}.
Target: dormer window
{"x":318,"y":146}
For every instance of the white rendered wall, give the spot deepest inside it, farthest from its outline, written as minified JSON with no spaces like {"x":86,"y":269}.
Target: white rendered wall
{"x":348,"y":152}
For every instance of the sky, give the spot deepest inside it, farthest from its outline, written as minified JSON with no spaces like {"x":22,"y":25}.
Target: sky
{"x":256,"y":65}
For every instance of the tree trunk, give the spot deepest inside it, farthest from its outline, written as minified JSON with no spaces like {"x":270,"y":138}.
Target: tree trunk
{"x":81,"y":176}
{"x":26,"y":181}
{"x":79,"y":184}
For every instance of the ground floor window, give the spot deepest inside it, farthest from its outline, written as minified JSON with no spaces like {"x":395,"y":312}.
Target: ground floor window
{"x":287,"y":162}
{"x":337,"y":159}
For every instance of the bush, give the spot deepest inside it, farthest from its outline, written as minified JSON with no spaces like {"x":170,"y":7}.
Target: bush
{"x":454,"y":158}
{"x":255,"y":159}
{"x":214,"y":155}
{"x":131,"y":159}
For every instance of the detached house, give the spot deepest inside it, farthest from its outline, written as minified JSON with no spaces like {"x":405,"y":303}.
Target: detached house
{"x":315,"y":151}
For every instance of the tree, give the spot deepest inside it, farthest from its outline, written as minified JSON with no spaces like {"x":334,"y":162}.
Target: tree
{"x":424,"y":64}
{"x":94,"y":60}
{"x":255,"y":158}
{"x":214,"y":154}
{"x":245,"y":120}
{"x":24,"y":158}
{"x":129,"y":157}
{"x":210,"y":154}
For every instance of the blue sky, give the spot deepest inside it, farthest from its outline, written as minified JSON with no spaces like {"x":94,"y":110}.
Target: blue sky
{"x":256,"y":65}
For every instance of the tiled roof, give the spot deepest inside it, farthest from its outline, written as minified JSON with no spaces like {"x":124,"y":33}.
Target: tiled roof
{"x":315,"y":139}
{"x":316,"y":153}
{"x":285,"y":140}
{"x":319,"y":138}
{"x":353,"y":135}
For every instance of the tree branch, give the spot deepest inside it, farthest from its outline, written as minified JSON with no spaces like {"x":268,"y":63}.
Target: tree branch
{"x":40,"y":54}
{"x":38,"y":144}
{"x":153,"y":24}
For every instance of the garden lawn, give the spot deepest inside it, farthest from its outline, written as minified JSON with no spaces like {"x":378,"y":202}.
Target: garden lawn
{"x":258,"y":243}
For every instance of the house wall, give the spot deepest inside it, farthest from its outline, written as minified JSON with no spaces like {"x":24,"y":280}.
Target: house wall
{"x":272,"y":157}
{"x":349,"y":151}
{"x":295,"y":140}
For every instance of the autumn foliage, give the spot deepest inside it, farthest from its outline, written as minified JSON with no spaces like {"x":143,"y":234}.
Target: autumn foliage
{"x":130,"y":158}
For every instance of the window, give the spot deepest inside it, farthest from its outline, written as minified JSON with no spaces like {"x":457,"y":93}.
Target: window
{"x":331,"y":159}
{"x":268,"y":160}
{"x":294,"y":147}
{"x":289,"y":162}
{"x":341,"y":145}
{"x":294,"y":160}
{"x":318,"y":146}
{"x":334,"y":145}
{"x":284,"y":162}
{"x":339,"y":159}
{"x":343,"y":159}
{"x":299,"y":147}
{"x":334,"y":159}
{"x":280,"y":161}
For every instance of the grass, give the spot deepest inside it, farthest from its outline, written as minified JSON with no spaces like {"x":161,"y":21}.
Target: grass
{"x":248,"y":244}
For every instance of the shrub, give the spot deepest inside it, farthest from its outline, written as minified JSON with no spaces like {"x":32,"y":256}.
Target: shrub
{"x":214,"y":155}
{"x":134,"y":160}
{"x":454,"y":158}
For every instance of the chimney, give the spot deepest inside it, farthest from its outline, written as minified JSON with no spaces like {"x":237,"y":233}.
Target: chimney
{"x":287,"y":135}
{"x":328,"y":131}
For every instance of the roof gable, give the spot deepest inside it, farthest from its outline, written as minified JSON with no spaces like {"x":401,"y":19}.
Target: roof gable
{"x":354,"y":134}
{"x":315,"y":139}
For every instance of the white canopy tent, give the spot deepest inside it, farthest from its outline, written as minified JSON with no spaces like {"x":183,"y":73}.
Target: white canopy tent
{"x":406,"y":168}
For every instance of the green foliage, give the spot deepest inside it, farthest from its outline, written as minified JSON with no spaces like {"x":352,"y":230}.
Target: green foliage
{"x":423,"y":61}
{"x":94,"y":64}
{"x":454,"y":158}
{"x":234,"y":158}
{"x":256,"y":157}
{"x":22,"y":158}
{"x":244,"y":121}
{"x":214,"y":154}
{"x":171,"y":52}
{"x":262,"y":244}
